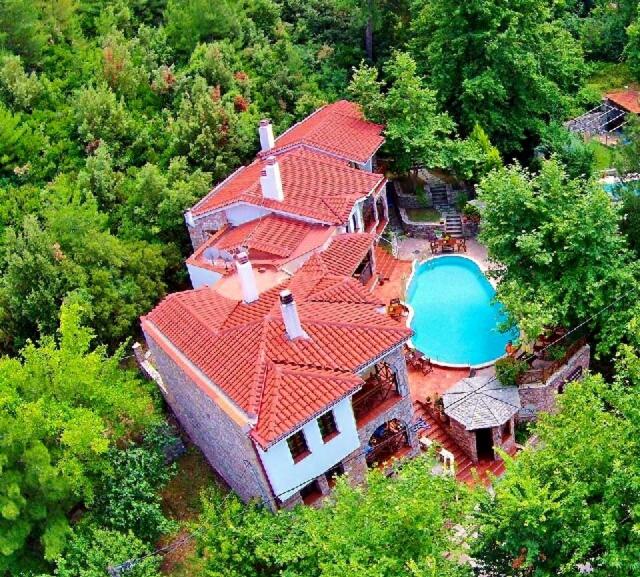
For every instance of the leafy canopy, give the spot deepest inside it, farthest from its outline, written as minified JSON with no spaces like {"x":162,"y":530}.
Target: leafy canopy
{"x":557,"y":250}
{"x":575,"y":498}
{"x":394,"y":527}
{"x":62,"y":404}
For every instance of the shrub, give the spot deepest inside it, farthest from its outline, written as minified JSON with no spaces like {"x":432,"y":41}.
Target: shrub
{"x":509,"y":369}
{"x":129,"y":497}
{"x":92,"y":549}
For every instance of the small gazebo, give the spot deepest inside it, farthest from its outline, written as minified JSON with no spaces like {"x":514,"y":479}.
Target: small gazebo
{"x":482,"y":414}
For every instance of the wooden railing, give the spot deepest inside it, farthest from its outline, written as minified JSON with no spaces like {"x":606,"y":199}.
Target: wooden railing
{"x":376,"y":390}
{"x":542,"y":374}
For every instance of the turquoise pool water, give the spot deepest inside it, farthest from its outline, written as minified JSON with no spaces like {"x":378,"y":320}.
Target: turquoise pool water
{"x":455,"y":321}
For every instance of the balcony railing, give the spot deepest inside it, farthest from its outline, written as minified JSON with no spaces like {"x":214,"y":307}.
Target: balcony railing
{"x":542,"y":374}
{"x":379,"y":388}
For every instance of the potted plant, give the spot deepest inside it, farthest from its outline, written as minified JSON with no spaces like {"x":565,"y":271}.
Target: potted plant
{"x":509,"y":370}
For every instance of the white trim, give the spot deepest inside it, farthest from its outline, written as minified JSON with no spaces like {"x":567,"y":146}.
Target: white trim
{"x":291,"y":215}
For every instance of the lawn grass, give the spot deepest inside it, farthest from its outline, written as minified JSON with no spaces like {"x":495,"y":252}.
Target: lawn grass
{"x":423,"y":214}
{"x":606,"y":76}
{"x":604,"y":155}
{"x":182,"y":501}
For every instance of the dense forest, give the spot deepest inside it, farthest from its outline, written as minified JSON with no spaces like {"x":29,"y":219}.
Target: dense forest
{"x":116,"y":116}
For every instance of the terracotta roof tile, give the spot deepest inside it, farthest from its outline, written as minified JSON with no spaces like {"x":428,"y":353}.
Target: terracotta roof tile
{"x":628,"y":99}
{"x":338,"y":129}
{"x":271,"y":241}
{"x":315,"y":186}
{"x":346,"y":252}
{"x":244,"y":350}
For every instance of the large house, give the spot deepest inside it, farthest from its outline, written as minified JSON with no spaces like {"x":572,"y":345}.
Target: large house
{"x":311,"y":183}
{"x":280,"y":364}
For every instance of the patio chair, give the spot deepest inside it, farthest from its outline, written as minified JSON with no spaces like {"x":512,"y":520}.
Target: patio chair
{"x":435,"y":246}
{"x":461,"y":245}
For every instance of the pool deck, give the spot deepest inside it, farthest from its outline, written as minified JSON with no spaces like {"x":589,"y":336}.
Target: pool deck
{"x":439,"y":379}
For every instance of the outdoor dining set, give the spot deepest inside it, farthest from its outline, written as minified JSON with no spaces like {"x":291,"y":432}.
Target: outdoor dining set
{"x":447,"y":244}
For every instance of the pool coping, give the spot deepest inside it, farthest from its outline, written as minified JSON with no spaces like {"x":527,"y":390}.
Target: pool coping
{"x":414,"y":265}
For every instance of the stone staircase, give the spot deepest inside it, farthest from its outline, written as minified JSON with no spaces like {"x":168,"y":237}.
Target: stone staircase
{"x":439,"y":197}
{"x":453,"y":224}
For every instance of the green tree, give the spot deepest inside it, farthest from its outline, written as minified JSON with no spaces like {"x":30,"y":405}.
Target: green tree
{"x":91,"y":549}
{"x":21,"y":29}
{"x":62,"y":405}
{"x":472,"y":158}
{"x":415,"y":130}
{"x":406,"y":527}
{"x":632,"y":49}
{"x":558,"y":251}
{"x":210,"y":133}
{"x":508,"y":67}
{"x":575,"y":498}
{"x":630,"y":223}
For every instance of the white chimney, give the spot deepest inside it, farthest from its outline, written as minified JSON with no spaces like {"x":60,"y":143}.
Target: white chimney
{"x":266,"y":135}
{"x":270,"y":180}
{"x":290,"y":316}
{"x":247,"y":278}
{"x":188,"y":217}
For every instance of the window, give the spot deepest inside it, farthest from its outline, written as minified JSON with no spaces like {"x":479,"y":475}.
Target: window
{"x":332,"y":474}
{"x":310,"y":493}
{"x":328,"y":427}
{"x":298,"y":446}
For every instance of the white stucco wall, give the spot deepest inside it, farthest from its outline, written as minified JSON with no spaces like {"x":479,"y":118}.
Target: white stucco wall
{"x":202,"y":276}
{"x":284,"y":474}
{"x":368,"y":166}
{"x":241,"y":213}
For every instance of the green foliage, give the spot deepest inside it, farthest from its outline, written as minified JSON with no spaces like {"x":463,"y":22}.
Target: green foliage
{"x":574,"y":499}
{"x":91,"y":549}
{"x":405,"y":530}
{"x":507,"y":67}
{"x":415,"y":130}
{"x":558,"y":249}
{"x":16,"y":86}
{"x":509,"y":369}
{"x":630,"y":224}
{"x":62,"y":405}
{"x":578,"y":156}
{"x":128,"y":498}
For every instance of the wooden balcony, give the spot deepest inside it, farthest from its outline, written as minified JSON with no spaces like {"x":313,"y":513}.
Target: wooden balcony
{"x":379,"y":393}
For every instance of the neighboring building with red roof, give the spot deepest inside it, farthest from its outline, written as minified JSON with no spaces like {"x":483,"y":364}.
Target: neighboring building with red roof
{"x":311,"y":183}
{"x":338,"y":130}
{"x":627,"y":99}
{"x":283,"y":389}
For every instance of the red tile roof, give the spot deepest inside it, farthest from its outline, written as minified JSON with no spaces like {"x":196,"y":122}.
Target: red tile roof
{"x":346,"y":252}
{"x":243,"y":349}
{"x":627,"y":99}
{"x":271,"y":241}
{"x":338,"y":129}
{"x":315,"y":186}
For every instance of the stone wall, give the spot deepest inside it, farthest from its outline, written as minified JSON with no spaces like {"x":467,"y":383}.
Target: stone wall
{"x":466,"y":440}
{"x":406,"y":200}
{"x":420,"y":229}
{"x":227,"y":448}
{"x":538,"y":397}
{"x":203,"y":226}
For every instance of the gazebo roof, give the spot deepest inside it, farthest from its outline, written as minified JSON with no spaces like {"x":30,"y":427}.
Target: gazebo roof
{"x":481,"y":402}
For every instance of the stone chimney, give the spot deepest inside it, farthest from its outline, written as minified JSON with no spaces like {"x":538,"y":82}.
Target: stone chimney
{"x":266,"y":135}
{"x":247,"y":278}
{"x":270,"y":180}
{"x":290,"y":316}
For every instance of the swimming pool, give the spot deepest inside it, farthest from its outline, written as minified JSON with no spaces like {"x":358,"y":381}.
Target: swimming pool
{"x":454,"y":319}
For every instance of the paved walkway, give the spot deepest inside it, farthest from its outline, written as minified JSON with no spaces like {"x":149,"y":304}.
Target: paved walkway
{"x":440,"y":379}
